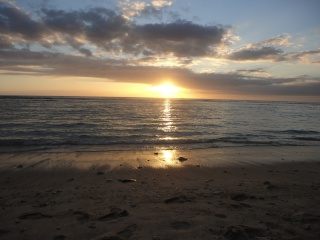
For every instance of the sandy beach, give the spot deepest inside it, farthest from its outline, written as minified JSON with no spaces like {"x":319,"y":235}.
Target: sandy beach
{"x":187,"y":201}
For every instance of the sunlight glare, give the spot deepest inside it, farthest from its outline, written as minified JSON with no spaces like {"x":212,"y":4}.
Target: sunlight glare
{"x":166,"y":90}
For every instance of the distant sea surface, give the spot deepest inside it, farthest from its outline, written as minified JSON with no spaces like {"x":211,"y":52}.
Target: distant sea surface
{"x":48,"y":123}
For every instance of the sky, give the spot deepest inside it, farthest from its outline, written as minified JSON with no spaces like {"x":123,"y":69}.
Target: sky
{"x":214,"y":49}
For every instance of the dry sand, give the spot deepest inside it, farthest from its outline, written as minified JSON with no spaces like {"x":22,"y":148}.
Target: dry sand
{"x":263,"y":201}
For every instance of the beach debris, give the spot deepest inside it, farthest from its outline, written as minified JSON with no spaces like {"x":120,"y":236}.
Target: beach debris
{"x":127,"y":180}
{"x":178,"y":199}
{"x":20,"y":166}
{"x":156,"y":153}
{"x":33,"y":215}
{"x":182,"y":159}
{"x":139,"y":167}
{"x":114,"y":213}
{"x":100,"y":173}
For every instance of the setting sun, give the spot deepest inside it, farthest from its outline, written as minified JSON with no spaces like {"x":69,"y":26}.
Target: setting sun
{"x":166,"y":90}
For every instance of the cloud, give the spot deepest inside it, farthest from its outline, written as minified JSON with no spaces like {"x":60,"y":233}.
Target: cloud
{"x":253,"y":54}
{"x":45,"y":63}
{"x":256,"y":71}
{"x":304,"y":56}
{"x":181,"y":38}
{"x":161,"y":3}
{"x":112,"y":32}
{"x":15,"y":22}
{"x":267,"y":50}
{"x":97,"y":25}
{"x":132,"y":8}
{"x":275,"y":55}
{"x":5,"y":42}
{"x":282,"y":40}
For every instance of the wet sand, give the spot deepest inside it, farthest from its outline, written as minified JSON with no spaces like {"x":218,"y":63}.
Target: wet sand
{"x":181,"y":201}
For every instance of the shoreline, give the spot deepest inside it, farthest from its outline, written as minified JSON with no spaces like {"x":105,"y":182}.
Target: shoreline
{"x":86,"y":158}
{"x":279,"y":200}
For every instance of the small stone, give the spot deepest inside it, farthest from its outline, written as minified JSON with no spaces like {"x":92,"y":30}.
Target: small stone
{"x":127,"y":180}
{"x":182,"y":159}
{"x":20,"y":166}
{"x":100,"y":173}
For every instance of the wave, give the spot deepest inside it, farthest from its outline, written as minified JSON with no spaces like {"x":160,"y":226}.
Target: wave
{"x":315,"y":139}
{"x":297,"y":132}
{"x":84,"y":141}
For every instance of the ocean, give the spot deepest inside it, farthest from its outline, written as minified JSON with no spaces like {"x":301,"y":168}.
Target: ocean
{"x":121,"y":124}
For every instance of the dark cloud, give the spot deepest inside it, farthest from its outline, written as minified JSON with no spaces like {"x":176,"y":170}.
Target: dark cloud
{"x":182,"y":38}
{"x":85,"y":51}
{"x":97,"y":25}
{"x":16,"y":22}
{"x":268,"y":50}
{"x":253,"y":54}
{"x":256,"y":70}
{"x":301,"y":56}
{"x":5,"y":42}
{"x":111,"y":31}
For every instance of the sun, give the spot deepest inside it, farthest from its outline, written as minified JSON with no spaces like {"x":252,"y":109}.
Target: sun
{"x":166,"y":90}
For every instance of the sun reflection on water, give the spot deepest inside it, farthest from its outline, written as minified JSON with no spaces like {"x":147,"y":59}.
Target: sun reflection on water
{"x":168,"y":126}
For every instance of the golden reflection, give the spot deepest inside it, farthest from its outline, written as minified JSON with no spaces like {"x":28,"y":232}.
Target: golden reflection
{"x":167,"y":119}
{"x":169,"y":156}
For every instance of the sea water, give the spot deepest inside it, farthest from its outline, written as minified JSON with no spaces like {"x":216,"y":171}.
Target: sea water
{"x":37,"y":123}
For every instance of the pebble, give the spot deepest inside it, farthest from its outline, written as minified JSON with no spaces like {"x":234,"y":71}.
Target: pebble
{"x":182,"y":159}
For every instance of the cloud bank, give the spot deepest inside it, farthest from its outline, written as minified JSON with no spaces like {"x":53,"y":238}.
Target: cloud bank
{"x":109,"y":30}
{"x":108,"y":44}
